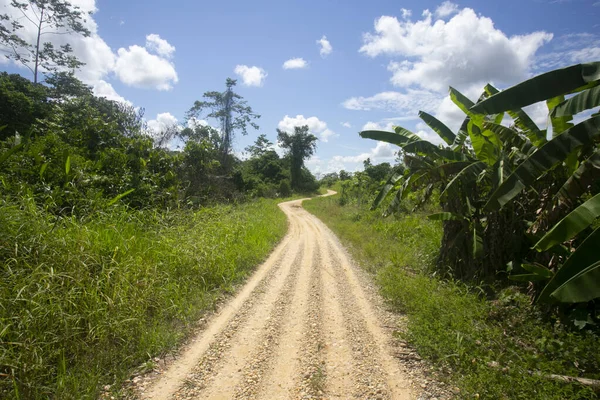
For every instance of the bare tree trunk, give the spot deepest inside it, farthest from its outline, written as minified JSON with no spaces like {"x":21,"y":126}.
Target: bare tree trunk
{"x":37,"y":46}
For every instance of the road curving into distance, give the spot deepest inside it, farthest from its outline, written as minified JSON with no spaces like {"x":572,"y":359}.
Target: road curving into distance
{"x":304,"y":326}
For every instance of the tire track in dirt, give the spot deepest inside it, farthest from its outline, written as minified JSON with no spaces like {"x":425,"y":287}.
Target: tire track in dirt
{"x":302,"y":327}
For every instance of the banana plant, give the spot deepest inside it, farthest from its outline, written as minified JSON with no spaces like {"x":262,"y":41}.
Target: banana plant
{"x":487,"y":165}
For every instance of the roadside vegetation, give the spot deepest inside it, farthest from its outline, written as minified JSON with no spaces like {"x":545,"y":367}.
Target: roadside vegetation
{"x":116,"y":237}
{"x":489,"y":245}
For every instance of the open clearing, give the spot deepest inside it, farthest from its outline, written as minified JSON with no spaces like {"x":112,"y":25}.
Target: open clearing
{"x":307,"y":324}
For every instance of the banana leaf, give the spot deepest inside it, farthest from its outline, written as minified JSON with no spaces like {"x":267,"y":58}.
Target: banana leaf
{"x":466,"y":175}
{"x":580,"y":102}
{"x":585,"y":255}
{"x":558,"y":124}
{"x":550,"y":154}
{"x":587,"y":173}
{"x":583,"y":287}
{"x":540,"y":88}
{"x":388,"y":137}
{"x":389,"y":185}
{"x":425,"y":148}
{"x":568,"y":227}
{"x":442,"y":130}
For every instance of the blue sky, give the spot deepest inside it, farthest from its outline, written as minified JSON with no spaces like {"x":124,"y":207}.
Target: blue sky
{"x":385,"y":60}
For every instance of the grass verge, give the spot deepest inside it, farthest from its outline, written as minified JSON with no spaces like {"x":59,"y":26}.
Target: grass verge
{"x":487,"y":349}
{"x":82,"y":302}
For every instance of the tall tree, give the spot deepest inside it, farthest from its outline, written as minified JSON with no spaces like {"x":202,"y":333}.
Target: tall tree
{"x":300,"y":145}
{"x":43,"y":17}
{"x":231,"y":110}
{"x":260,"y":147}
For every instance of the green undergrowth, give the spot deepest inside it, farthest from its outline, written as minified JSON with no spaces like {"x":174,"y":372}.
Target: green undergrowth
{"x":82,"y":302}
{"x":491,"y":349}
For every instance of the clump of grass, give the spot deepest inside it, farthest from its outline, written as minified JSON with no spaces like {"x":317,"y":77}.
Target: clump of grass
{"x":81,"y":302}
{"x":489,"y":349}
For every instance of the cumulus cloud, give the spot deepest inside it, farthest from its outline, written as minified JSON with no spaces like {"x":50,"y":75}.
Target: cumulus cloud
{"x":133,"y":66}
{"x":382,"y":152}
{"x":445,"y":9}
{"x":466,"y":49}
{"x":251,"y":76}
{"x":378,"y":126}
{"x":315,"y":126}
{"x":138,"y":68}
{"x":405,"y":13}
{"x":408,"y":103}
{"x":160,"y":46}
{"x":325,"y":46}
{"x":104,"y":89}
{"x":346,"y":124}
{"x":295,"y":63}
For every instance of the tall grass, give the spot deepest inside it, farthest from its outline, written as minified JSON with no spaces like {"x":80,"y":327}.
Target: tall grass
{"x":487,"y":348}
{"x":81,"y":302}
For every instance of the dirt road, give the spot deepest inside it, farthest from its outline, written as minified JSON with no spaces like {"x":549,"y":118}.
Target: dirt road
{"x":304,"y":326}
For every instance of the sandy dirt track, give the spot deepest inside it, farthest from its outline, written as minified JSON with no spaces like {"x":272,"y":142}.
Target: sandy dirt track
{"x":304,"y":326}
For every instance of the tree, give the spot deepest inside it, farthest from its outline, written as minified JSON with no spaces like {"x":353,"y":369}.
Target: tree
{"x":260,"y":146}
{"x":45,"y":17}
{"x":300,"y":145}
{"x":232,"y":112}
{"x":344,"y":175}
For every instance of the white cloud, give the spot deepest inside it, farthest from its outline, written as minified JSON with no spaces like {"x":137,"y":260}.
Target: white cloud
{"x":251,"y":76}
{"x":138,"y":68}
{"x":346,"y":124}
{"x":295,"y":63}
{"x":133,"y":66}
{"x":465,"y":50}
{"x":405,"y":13}
{"x":445,"y":9}
{"x":162,"y":122}
{"x":160,"y":46}
{"x":104,"y":89}
{"x":315,"y":126}
{"x":195,"y":122}
{"x":378,"y":126}
{"x":382,"y":152}
{"x":408,"y":103}
{"x":326,"y":48}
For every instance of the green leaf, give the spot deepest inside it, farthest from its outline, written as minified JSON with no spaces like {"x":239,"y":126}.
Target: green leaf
{"x":425,"y":148}
{"x":485,"y":144}
{"x":468,"y":174}
{"x":585,"y":255}
{"x":449,"y":169}
{"x":526,"y":277}
{"x":461,"y":136}
{"x":68,"y":165}
{"x":445,"y":216}
{"x":583,"y":287}
{"x":43,"y":169}
{"x":523,"y":121}
{"x":558,"y":124}
{"x":578,"y":103}
{"x":391,"y":182}
{"x":442,"y":130}
{"x":120,"y":196}
{"x":579,"y":183}
{"x":540,"y":88}
{"x":538,"y":269}
{"x":405,"y":132}
{"x":388,"y":137}
{"x":465,"y":104}
{"x":6,"y":155}
{"x":567,"y":228}
{"x":547,"y":156}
